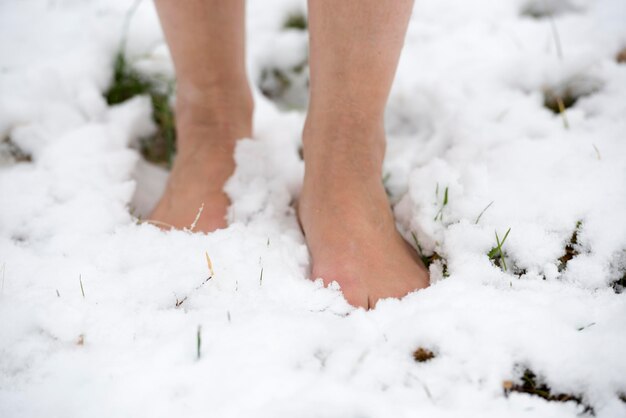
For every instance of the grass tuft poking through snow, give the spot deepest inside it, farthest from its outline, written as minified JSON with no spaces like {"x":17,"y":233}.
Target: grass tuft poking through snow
{"x":571,"y":249}
{"x":296,"y":20}
{"x":497,"y":254}
{"x":439,"y":214}
{"x":127,"y":83}
{"x":531,"y":384}
{"x":285,"y":81}
{"x":466,"y":111}
{"x":430,"y":259}
{"x":564,"y":96}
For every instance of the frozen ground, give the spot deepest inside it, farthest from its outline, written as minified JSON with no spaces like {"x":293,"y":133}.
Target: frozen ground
{"x":88,"y":320}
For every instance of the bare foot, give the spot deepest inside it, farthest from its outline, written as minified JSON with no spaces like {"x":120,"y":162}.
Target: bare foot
{"x":347,"y":219}
{"x":207,"y":130}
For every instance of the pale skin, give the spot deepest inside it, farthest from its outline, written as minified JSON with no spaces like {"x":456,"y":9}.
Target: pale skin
{"x":343,"y":208}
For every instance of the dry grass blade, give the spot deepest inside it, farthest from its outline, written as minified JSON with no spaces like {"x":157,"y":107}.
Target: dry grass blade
{"x":561,"y":105}
{"x":209,"y":264}
{"x":156,"y":223}
{"x":195,"y":221}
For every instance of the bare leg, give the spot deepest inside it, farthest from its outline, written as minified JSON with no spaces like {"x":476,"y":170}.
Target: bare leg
{"x":349,"y":226}
{"x":213,"y":107}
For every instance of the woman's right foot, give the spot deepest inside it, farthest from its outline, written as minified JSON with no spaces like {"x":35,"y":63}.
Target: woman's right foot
{"x":194,"y":189}
{"x":208,"y":127}
{"x":346,"y":217}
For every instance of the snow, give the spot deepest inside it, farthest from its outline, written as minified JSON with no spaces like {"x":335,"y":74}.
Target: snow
{"x":88,"y":320}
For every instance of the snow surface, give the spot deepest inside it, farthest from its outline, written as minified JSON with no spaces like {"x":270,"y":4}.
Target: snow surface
{"x":465,"y":114}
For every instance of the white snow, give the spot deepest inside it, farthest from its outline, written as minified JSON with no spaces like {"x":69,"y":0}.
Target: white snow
{"x":466,"y":113}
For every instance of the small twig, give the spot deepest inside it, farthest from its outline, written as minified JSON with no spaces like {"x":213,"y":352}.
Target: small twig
{"x":484,"y":210}
{"x":179,"y":302}
{"x":202,"y":284}
{"x":261,"y":278}
{"x":82,"y":290}
{"x":586,"y":326}
{"x":58,"y":294}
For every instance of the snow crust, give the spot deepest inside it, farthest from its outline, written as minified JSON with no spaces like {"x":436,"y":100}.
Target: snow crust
{"x":466,"y":114}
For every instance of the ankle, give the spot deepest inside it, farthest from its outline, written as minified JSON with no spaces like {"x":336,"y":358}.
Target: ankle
{"x":213,"y":113}
{"x":342,"y":143}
